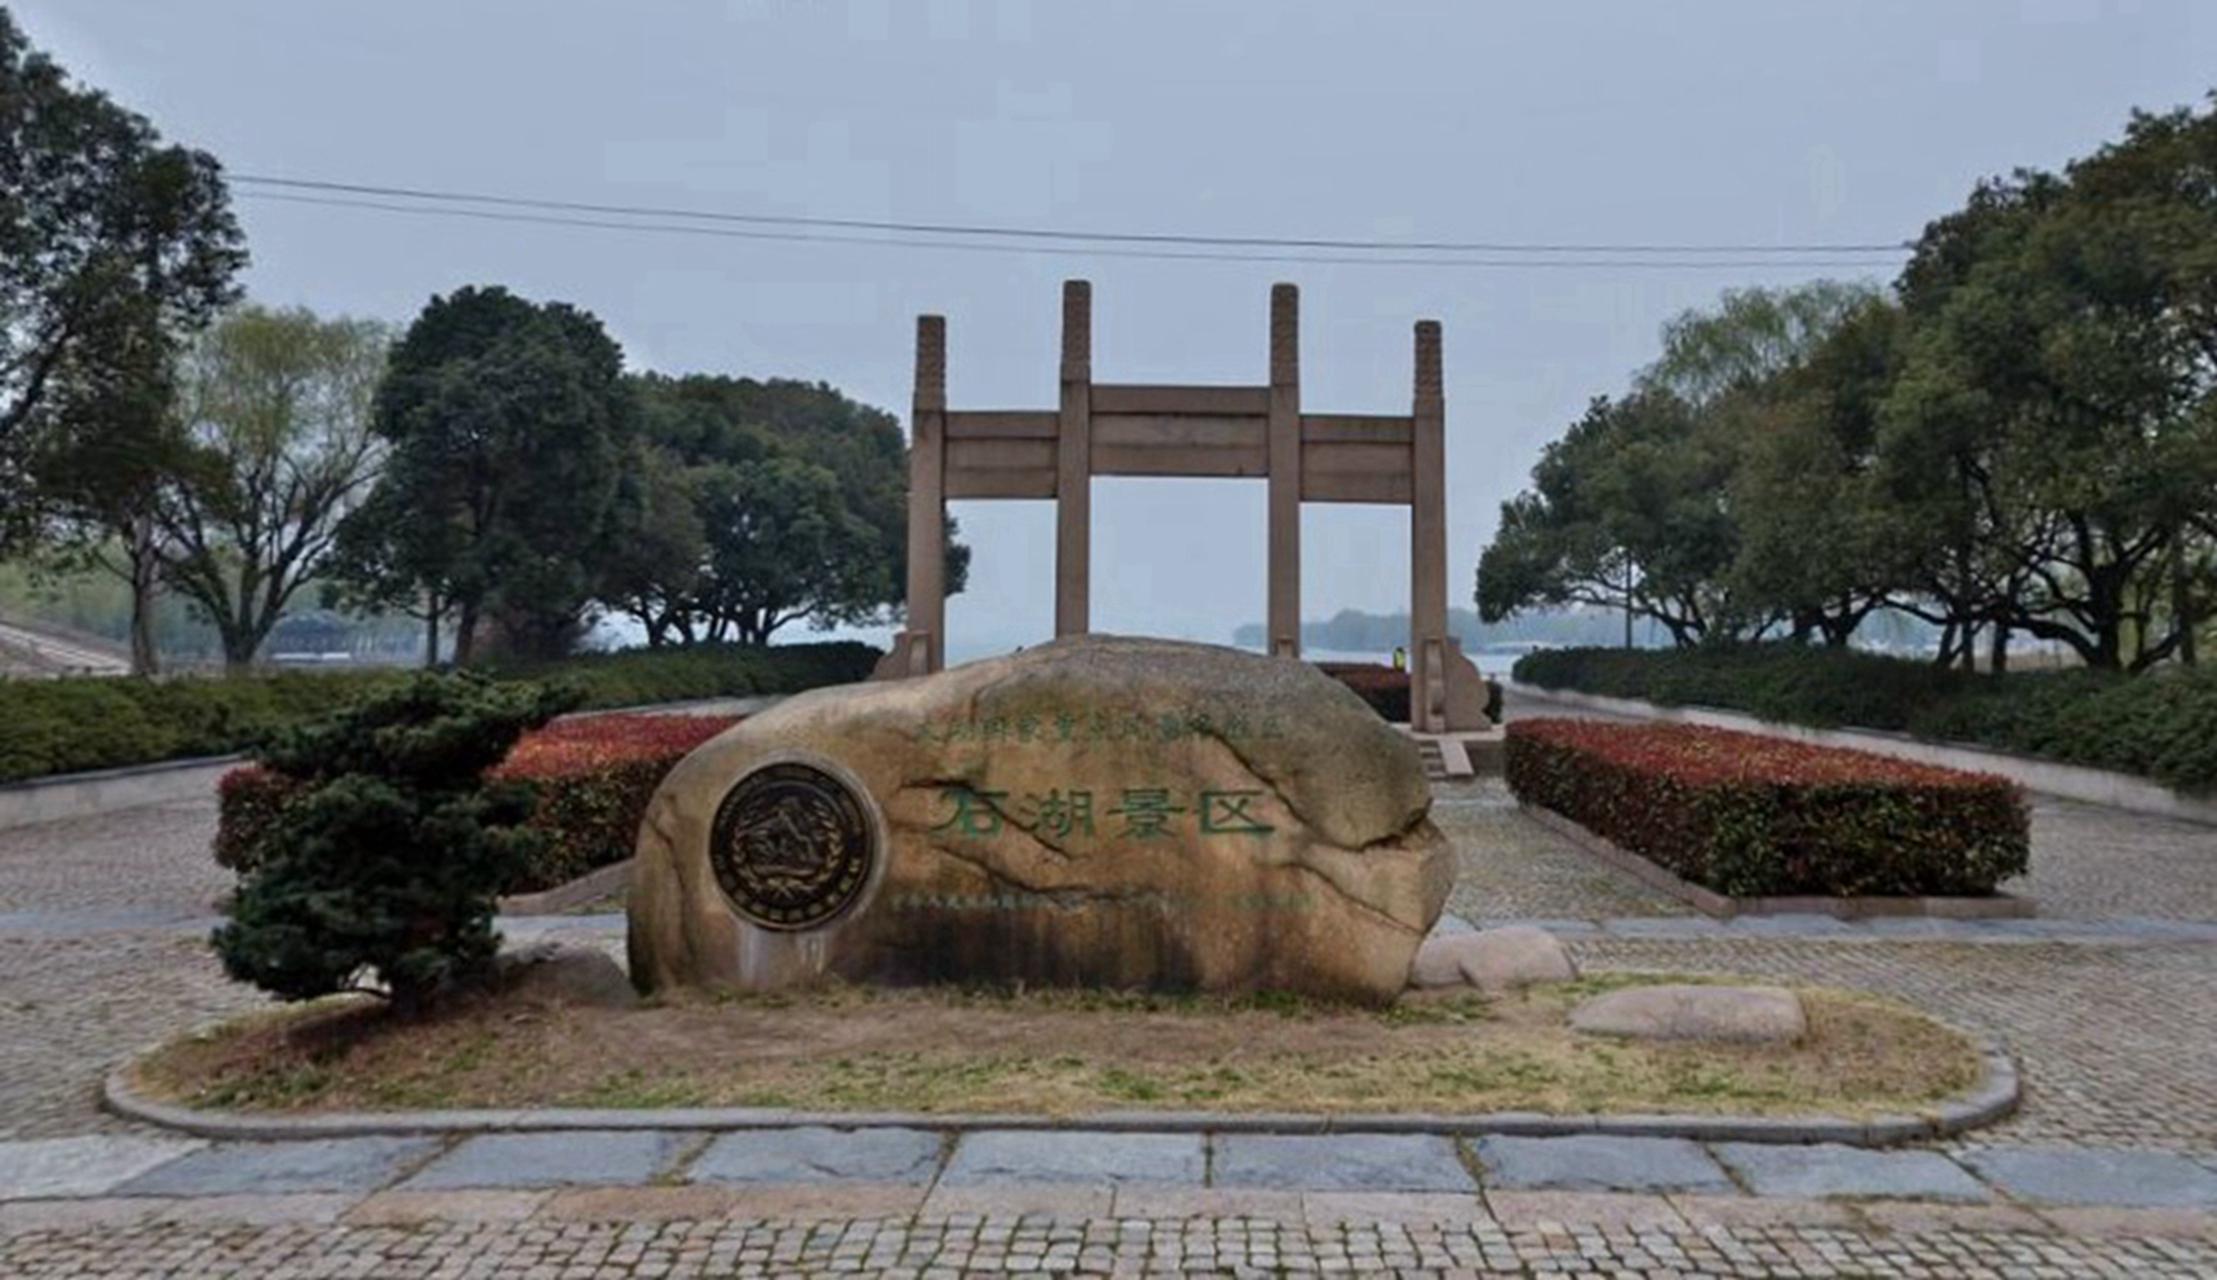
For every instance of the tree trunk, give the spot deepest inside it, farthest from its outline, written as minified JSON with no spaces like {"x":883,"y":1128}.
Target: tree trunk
{"x":465,"y":633}
{"x":1999,"y":662}
{"x":2182,"y":603}
{"x":146,"y":659}
{"x":431,"y":631}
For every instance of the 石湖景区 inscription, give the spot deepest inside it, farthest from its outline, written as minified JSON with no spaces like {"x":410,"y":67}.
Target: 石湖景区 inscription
{"x":1131,"y":813}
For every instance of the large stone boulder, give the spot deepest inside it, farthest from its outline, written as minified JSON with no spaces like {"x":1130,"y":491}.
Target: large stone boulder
{"x":1096,"y":811}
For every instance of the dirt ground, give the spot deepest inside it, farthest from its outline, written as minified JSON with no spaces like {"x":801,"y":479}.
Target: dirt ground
{"x":1051,"y":1053}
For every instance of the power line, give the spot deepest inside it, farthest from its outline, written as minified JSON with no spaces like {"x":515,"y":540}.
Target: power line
{"x":1038,"y":233}
{"x":973,"y":246}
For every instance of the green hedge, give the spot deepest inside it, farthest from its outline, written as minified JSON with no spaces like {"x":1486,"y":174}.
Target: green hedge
{"x":71,"y":725}
{"x":2161,"y":725}
{"x":1754,"y":816}
{"x":1387,"y":690}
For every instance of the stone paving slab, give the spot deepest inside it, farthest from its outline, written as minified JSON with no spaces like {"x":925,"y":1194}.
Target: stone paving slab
{"x":905,"y":1156}
{"x":2130,"y":1179}
{"x":1830,"y":1169}
{"x":277,"y":1168}
{"x":1596,"y":1163}
{"x":1339,"y":1162}
{"x":996,"y":1157}
{"x":582,"y":1158}
{"x":83,"y":1166}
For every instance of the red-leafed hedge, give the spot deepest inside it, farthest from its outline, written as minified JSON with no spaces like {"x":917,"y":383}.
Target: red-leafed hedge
{"x":1754,"y":816}
{"x":593,"y":775}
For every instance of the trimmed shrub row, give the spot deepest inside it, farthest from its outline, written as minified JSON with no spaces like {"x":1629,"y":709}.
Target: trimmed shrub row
{"x":2161,"y":725}
{"x":592,"y":776}
{"x":1387,"y":690}
{"x":1753,"y":816}
{"x":70,"y":725}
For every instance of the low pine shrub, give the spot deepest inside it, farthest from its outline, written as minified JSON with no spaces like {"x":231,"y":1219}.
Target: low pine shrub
{"x":592,"y":777}
{"x":380,"y":872}
{"x":1754,"y":816}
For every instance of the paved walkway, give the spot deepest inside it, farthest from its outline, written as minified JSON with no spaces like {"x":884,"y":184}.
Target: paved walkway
{"x":657,"y":1203}
{"x":2109,"y":1001}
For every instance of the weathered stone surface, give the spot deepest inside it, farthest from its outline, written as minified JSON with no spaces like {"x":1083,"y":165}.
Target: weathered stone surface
{"x":1748,"y":1015}
{"x":1598,"y":1162}
{"x":1502,"y":959}
{"x":1288,"y":846}
{"x":1827,"y":1169}
{"x":583,"y":1157}
{"x":1340,"y":1162}
{"x":274,"y":1168}
{"x":550,"y":971}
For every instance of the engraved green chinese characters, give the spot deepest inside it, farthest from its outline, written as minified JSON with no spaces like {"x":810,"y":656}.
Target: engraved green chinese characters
{"x":1138,"y":813}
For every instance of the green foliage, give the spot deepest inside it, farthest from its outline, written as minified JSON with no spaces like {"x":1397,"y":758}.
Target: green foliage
{"x":275,"y":406}
{"x":389,"y":863}
{"x":759,"y":504}
{"x":1387,"y":690}
{"x":67,"y":726}
{"x":2162,"y":726}
{"x":112,"y":246}
{"x":1749,"y":816}
{"x":2019,"y":440}
{"x":509,"y":423}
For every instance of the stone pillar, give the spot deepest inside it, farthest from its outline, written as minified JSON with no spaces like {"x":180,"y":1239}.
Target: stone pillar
{"x":927,"y":501}
{"x":1074,"y":465}
{"x":1282,"y":632}
{"x":1428,"y":540}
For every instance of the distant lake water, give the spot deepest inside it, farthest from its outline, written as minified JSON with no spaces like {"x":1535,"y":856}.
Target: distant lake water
{"x":1493,"y":664}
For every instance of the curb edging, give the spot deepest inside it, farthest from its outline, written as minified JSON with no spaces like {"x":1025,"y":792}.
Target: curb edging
{"x":1995,"y":1096}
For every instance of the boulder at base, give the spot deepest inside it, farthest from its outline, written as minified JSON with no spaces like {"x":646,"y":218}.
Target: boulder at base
{"x":1493,"y":960}
{"x":1743,"y":1015}
{"x":1096,"y":811}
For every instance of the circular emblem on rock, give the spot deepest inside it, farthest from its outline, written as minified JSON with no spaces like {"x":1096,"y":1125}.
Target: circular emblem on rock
{"x":791,"y":846}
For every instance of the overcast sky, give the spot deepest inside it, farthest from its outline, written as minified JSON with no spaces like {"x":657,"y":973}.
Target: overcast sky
{"x":1762,"y":122}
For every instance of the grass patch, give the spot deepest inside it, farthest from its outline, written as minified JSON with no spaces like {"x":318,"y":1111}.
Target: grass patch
{"x":1057,"y":1052}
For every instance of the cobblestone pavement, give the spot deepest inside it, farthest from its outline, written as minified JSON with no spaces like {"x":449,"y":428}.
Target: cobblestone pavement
{"x":1510,"y":866}
{"x":136,"y":866}
{"x":102,"y":951}
{"x":1655,"y":1242}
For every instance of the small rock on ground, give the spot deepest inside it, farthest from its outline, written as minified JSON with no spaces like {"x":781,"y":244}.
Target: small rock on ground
{"x":1744,"y":1015}
{"x":1492,"y":959}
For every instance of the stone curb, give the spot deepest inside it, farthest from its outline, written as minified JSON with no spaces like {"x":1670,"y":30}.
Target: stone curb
{"x":1995,"y":1097}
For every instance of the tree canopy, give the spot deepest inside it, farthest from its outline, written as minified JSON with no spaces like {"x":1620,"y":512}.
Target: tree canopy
{"x":507,"y":425}
{"x":2019,"y":438}
{"x":112,"y":246}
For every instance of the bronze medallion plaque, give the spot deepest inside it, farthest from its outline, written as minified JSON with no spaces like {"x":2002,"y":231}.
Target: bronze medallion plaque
{"x":791,"y":847}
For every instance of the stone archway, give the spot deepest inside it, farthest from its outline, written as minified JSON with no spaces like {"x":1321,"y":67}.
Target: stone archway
{"x":1130,"y":429}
